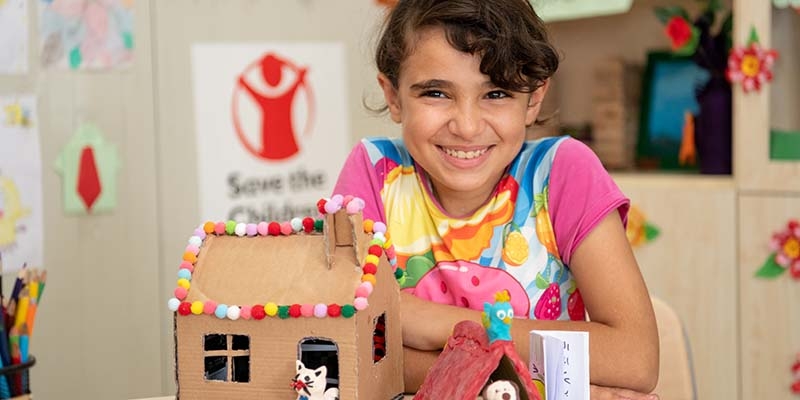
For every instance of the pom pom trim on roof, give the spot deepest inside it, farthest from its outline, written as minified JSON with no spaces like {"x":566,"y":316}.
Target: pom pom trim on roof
{"x":379,"y":246}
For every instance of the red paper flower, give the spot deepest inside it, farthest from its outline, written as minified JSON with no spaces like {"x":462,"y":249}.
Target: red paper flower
{"x":679,"y":31}
{"x":786,"y":245}
{"x":751,"y":66}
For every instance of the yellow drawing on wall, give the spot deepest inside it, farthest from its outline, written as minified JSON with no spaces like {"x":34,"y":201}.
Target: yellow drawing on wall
{"x":17,"y":115}
{"x":11,"y":210}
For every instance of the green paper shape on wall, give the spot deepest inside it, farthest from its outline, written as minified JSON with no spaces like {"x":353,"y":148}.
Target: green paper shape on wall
{"x":88,"y":165}
{"x":559,"y":10}
{"x":770,"y":269}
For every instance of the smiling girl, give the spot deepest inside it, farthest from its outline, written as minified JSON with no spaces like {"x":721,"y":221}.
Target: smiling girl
{"x":473,"y":208}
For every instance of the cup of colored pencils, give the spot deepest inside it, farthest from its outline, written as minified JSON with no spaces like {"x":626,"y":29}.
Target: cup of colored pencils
{"x":18,"y":318}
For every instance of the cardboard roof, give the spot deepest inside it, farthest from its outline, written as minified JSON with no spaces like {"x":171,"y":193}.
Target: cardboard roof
{"x":256,"y":270}
{"x":467,"y":363}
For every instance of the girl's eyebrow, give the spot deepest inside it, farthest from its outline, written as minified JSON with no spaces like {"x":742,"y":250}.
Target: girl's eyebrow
{"x":441,"y":83}
{"x":430,"y":84}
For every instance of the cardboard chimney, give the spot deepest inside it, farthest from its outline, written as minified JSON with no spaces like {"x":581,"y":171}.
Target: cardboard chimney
{"x":256,"y":300}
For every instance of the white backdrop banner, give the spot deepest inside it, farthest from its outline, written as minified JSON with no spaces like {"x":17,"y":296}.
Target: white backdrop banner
{"x":272,"y":128}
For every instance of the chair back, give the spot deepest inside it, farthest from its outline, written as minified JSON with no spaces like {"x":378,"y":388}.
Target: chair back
{"x":676,"y":374}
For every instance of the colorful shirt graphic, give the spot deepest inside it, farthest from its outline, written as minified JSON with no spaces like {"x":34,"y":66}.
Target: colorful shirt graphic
{"x":508,"y":243}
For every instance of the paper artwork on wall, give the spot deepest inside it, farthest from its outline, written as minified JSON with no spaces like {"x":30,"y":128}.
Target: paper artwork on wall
{"x":639,"y":230}
{"x":86,"y":34}
{"x":13,"y":37}
{"x":21,"y":215}
{"x":751,"y":65}
{"x":88,"y":165}
{"x":271,"y":125}
{"x":785,"y":246}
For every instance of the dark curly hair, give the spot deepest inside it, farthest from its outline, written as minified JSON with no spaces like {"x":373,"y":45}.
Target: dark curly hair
{"x":508,"y":35}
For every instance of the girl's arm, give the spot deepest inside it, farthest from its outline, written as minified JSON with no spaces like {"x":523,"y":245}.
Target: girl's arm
{"x":623,"y":337}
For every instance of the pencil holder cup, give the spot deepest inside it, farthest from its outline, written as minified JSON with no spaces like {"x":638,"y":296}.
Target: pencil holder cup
{"x":15,"y":380}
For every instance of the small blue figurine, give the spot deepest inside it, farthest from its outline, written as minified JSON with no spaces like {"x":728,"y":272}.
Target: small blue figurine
{"x":497,"y":317}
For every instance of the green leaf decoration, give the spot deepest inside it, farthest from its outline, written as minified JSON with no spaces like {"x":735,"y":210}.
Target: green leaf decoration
{"x":664,"y":14}
{"x":753,"y":37}
{"x":651,"y":231}
{"x":690,"y":46}
{"x":770,"y":269}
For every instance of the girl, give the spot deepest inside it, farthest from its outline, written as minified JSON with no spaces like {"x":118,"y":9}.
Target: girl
{"x":474,"y":208}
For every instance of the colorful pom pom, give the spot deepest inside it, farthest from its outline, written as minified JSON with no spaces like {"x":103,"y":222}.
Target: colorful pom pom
{"x":197,"y":307}
{"x":173,"y":304}
{"x":318,"y":224}
{"x":321,"y":205}
{"x":186,"y":265}
{"x":283,"y":312}
{"x":370,"y":268}
{"x":347,"y":199}
{"x":263,"y":228}
{"x":379,"y":227}
{"x":185,"y":308}
{"x":251,"y":230}
{"x":209,"y":307}
{"x":230,"y":227}
{"x":188,"y":256}
{"x":184,"y":273}
{"x":294,"y":311}
{"x":286,"y":228}
{"x":245,"y":312}
{"x":398,"y":273}
{"x":338,"y":199}
{"x":233,"y":313}
{"x":379,"y":236}
{"x":331,"y":207}
{"x":372,"y":259}
{"x":221,"y":311}
{"x":307,"y":310}
{"x":184,"y":283}
{"x":367,"y":288}
{"x":360,"y":303}
{"x":195,"y":241}
{"x":274,"y":228}
{"x":348,"y":311}
{"x":271,"y":309}
{"x":334,"y":310}
{"x":199,"y":232}
{"x":297,"y":224}
{"x":240,"y":229}
{"x":219,"y":228}
{"x":353,"y":207}
{"x":368,"y":224}
{"x":308,"y":224}
{"x":258,"y":312}
{"x":320,"y":310}
{"x":368,"y":278}
{"x":208,"y":227}
{"x":375,"y":250}
{"x":191,"y":249}
{"x":180,"y":292}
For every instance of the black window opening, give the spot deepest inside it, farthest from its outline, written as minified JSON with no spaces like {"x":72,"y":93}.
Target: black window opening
{"x":379,"y":339}
{"x":226,"y":357}
{"x":316,"y":352}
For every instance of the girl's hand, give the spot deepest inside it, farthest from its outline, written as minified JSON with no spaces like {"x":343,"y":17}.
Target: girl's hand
{"x":609,"y":393}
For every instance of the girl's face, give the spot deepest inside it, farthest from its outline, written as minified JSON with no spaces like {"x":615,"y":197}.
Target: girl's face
{"x":463,"y":130}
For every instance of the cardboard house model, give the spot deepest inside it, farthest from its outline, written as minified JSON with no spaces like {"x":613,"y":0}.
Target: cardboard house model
{"x":469,"y":362}
{"x":253,"y":299}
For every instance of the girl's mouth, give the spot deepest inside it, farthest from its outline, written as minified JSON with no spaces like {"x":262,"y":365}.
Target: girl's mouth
{"x":464,"y":155}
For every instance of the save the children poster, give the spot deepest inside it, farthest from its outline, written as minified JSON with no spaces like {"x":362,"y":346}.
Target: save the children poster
{"x":271,"y":128}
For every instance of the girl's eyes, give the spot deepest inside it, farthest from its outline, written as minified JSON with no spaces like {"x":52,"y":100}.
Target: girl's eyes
{"x":433,"y":93}
{"x":497,"y":94}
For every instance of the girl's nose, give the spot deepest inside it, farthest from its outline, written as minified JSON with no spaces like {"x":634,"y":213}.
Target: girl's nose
{"x":466,"y":120}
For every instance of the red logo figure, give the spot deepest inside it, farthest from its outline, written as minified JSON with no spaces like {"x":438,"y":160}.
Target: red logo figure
{"x":278,"y":135}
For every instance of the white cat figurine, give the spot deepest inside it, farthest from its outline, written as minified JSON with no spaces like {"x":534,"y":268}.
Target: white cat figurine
{"x":310,"y":384}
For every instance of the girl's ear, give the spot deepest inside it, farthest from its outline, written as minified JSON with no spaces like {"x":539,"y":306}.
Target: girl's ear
{"x":535,"y":103}
{"x":391,"y":97}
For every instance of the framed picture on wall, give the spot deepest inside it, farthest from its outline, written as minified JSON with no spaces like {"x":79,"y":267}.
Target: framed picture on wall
{"x":669,"y":85}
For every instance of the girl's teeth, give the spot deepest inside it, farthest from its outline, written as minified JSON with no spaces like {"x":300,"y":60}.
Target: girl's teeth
{"x":466,"y":155}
